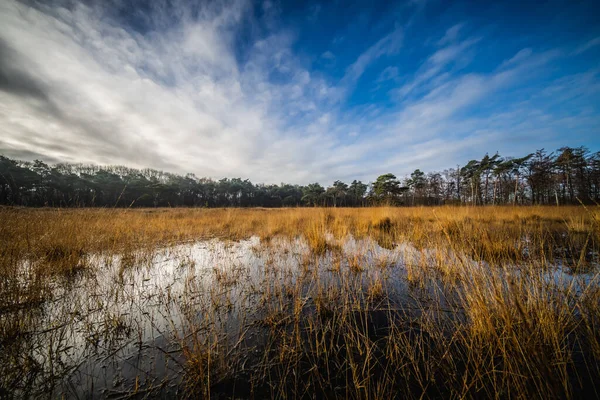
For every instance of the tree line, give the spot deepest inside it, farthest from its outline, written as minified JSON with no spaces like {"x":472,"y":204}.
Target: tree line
{"x":566,"y":176}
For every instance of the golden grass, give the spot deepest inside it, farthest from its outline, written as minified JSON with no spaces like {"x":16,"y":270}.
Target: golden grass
{"x":69,"y":234}
{"x":481,"y":318}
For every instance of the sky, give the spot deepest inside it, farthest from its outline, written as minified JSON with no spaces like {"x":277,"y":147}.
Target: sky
{"x":300,"y":91}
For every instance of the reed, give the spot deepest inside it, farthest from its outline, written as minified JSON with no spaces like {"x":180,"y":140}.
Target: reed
{"x":458,"y":302}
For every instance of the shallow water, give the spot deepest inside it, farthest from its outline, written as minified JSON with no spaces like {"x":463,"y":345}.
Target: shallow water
{"x":122,"y":324}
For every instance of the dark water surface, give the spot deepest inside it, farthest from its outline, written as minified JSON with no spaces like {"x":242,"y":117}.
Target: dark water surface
{"x":127,"y":323}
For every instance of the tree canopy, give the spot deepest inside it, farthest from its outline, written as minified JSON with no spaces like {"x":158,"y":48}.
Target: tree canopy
{"x":567,"y":176}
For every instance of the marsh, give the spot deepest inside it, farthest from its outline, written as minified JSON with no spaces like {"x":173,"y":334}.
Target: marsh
{"x":293,"y":303}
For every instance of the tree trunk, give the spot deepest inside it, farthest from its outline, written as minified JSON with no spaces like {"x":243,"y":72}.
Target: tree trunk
{"x":516,"y":188}
{"x":485,"y":195}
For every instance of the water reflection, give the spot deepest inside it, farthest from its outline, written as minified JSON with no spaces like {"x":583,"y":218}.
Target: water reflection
{"x":124,"y":323}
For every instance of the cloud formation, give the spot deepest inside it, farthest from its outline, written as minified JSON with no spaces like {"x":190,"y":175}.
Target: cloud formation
{"x":176,"y":91}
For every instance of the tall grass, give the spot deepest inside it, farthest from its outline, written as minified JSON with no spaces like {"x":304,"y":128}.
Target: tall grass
{"x":499,"y":302}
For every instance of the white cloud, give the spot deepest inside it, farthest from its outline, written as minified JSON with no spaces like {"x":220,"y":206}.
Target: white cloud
{"x":587,"y":45}
{"x":328,"y":55}
{"x":175,"y":100}
{"x":313,"y":13}
{"x":387,"y":74}
{"x":519,"y":57}
{"x":82,"y":88}
{"x":390,"y":44}
{"x":451,"y":34}
{"x":435,"y":64}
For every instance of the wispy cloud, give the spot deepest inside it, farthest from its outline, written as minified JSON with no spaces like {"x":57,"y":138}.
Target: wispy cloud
{"x":95,"y":92}
{"x":328,"y":55}
{"x":179,"y":93}
{"x":390,"y":44}
{"x":587,"y":46}
{"x":314,"y":12}
{"x":451,"y":34}
{"x":435,"y":64}
{"x":388,"y":73}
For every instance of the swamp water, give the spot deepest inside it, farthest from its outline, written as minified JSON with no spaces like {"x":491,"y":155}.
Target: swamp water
{"x":205,"y":314}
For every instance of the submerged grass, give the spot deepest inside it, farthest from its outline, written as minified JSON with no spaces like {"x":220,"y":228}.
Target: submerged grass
{"x":482,"y":312}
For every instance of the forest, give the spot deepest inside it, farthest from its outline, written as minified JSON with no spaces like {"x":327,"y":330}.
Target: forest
{"x":569,"y":175}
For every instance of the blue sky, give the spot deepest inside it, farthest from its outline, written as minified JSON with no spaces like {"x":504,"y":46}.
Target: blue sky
{"x":296,"y":91}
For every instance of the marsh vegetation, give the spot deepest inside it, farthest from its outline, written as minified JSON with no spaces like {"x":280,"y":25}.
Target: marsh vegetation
{"x":379,"y":303}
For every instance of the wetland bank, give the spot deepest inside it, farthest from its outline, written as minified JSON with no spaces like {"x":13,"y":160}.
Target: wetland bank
{"x":460,"y":302}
